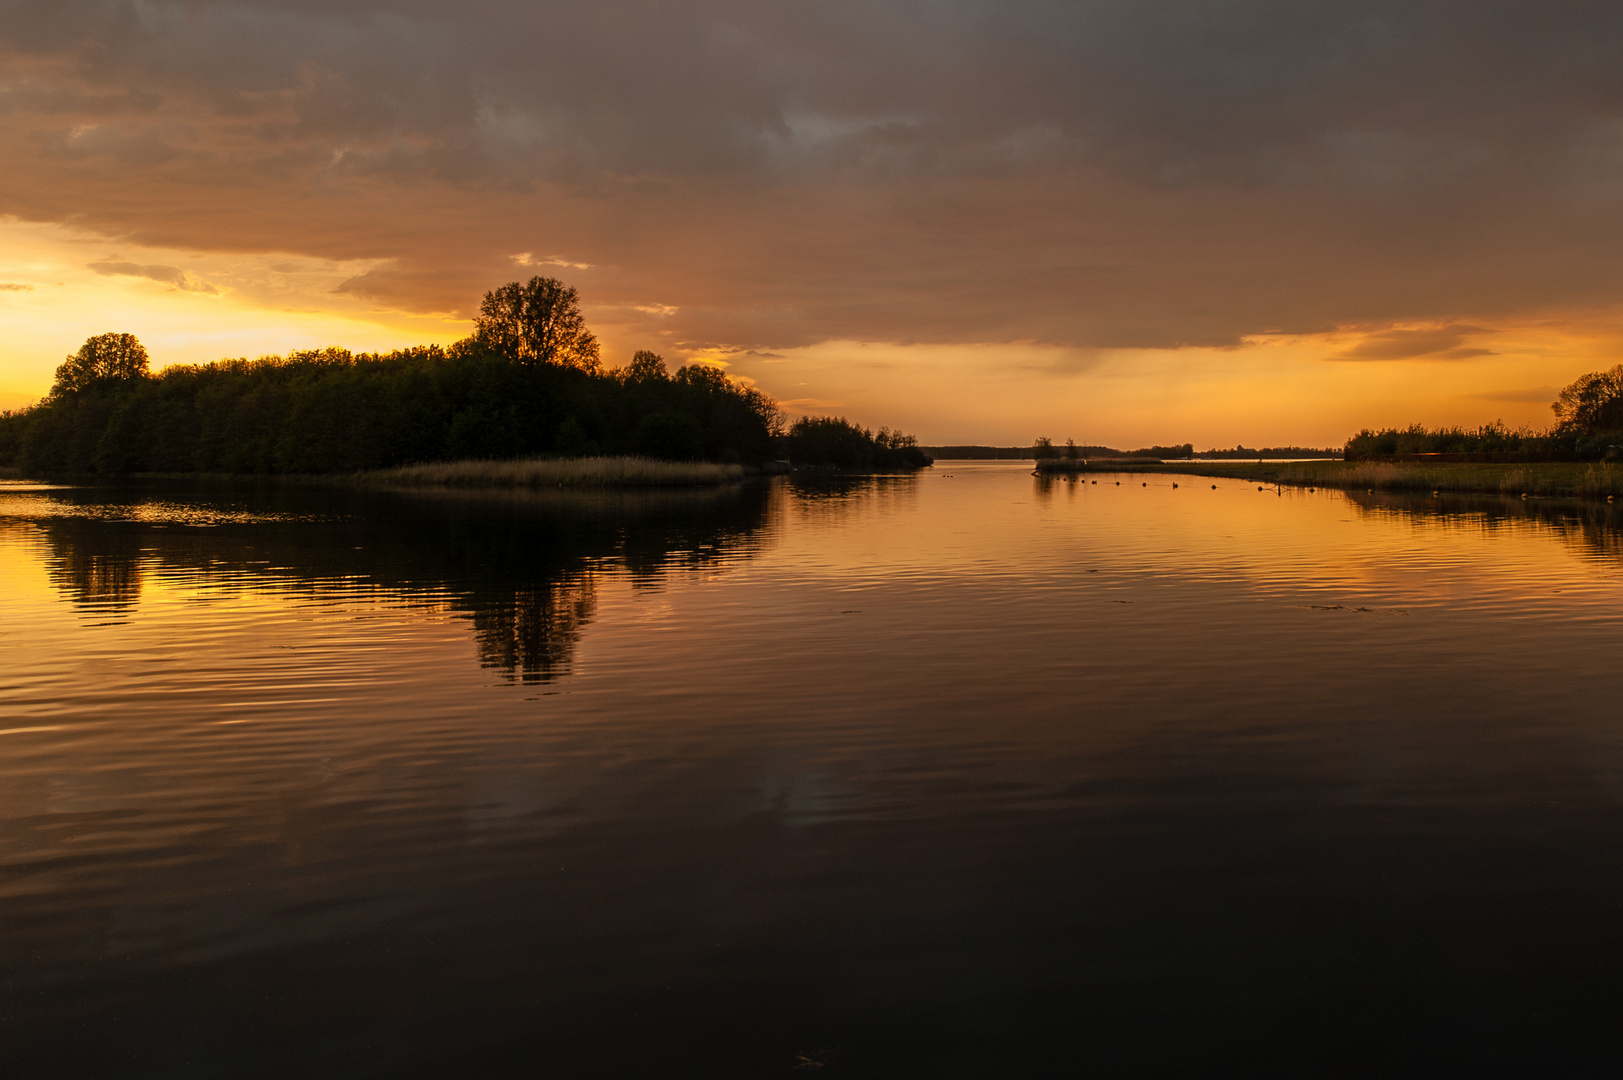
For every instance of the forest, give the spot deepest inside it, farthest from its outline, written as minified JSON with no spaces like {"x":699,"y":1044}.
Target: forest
{"x":528,"y":382}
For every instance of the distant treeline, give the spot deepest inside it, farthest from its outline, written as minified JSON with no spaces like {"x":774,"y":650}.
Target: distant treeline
{"x":1489,"y":442}
{"x":1044,"y":449}
{"x":527,"y":383}
{"x":1269,"y":453}
{"x":1588,"y":427}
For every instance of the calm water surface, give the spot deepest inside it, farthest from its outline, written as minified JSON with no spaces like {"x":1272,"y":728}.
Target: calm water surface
{"x":965,"y":774}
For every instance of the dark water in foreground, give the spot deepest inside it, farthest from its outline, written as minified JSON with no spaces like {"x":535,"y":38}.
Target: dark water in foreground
{"x":961,"y":774}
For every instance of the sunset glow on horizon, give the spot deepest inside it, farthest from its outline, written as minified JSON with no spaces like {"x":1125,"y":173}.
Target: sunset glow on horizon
{"x":975,"y":223}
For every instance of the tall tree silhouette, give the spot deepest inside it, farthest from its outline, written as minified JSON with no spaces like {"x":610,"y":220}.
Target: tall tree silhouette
{"x":103,"y":358}
{"x":1592,"y":402}
{"x":645,"y":366}
{"x":537,"y":323}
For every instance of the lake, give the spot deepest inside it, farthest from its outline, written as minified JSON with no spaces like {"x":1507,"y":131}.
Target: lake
{"x":964,"y":773}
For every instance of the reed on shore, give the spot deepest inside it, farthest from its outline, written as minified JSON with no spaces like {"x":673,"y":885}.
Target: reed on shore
{"x":1552,"y":479}
{"x":587,"y":472}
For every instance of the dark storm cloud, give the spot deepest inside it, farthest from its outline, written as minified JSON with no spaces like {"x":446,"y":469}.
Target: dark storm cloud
{"x":1099,"y":173}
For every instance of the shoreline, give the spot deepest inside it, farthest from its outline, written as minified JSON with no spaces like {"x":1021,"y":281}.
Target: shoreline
{"x":591,"y":473}
{"x":1551,"y":479}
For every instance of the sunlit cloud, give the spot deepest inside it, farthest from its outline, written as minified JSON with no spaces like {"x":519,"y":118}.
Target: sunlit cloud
{"x":260,"y":304}
{"x":1430,"y":342}
{"x":172,"y":276}
{"x":527,"y":259}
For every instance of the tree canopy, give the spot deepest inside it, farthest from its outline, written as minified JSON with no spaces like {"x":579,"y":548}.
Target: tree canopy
{"x":1592,"y":403}
{"x":103,"y":358}
{"x":538,"y":322}
{"x":645,"y":366}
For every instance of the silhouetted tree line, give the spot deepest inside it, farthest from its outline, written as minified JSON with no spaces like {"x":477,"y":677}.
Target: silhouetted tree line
{"x":528,"y":382}
{"x":1043,"y":449}
{"x":1588,"y":427}
{"x":1268,"y":452}
{"x":1489,"y":440}
{"x":331,"y":411}
{"x":832,"y":442}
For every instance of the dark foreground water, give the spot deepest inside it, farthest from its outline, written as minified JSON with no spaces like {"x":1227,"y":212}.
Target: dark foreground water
{"x":962,"y":774}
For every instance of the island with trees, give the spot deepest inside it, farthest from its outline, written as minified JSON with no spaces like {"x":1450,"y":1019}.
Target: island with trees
{"x":527,"y":386}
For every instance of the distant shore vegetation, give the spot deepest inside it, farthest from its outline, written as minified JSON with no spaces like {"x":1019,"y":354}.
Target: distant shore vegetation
{"x":528,"y":384}
{"x":1536,"y":479}
{"x":970,"y":452}
{"x":1588,"y":427}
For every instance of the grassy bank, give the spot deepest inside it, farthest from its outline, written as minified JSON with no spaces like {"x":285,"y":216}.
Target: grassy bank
{"x":1560,"y":479}
{"x":591,"y":472}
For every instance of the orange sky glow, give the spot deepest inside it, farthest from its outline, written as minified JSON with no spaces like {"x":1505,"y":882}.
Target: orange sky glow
{"x":977,"y":223}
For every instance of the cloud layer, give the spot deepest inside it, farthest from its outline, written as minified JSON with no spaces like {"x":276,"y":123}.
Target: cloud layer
{"x":771,"y":175}
{"x":173,"y":276}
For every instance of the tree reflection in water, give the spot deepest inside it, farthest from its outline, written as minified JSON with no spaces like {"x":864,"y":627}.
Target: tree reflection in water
{"x":523,"y":567}
{"x":1590,"y":526}
{"x":97,"y":568}
{"x":533,"y":634}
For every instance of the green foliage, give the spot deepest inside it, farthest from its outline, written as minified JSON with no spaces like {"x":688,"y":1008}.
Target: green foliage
{"x":102,"y":359}
{"x":538,"y":322}
{"x":329,"y":411}
{"x":832,"y":442}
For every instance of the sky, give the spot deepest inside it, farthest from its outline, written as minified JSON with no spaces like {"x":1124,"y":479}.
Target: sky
{"x":1125,"y":222}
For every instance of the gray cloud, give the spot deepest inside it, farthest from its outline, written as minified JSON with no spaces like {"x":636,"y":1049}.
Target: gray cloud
{"x":1433,"y":343}
{"x":135,"y":147}
{"x":172,"y":276}
{"x":1097,"y":172}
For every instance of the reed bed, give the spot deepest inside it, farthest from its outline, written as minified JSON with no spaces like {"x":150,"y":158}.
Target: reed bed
{"x":592,"y":472}
{"x":1552,"y":479}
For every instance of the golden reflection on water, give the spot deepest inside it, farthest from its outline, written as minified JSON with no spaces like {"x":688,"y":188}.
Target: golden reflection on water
{"x":779,"y":729}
